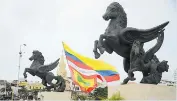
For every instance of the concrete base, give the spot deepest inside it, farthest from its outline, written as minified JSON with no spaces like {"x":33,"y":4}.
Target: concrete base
{"x":54,"y":95}
{"x":144,"y":92}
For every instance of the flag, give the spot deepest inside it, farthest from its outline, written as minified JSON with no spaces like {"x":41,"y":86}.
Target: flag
{"x":90,"y":66}
{"x":86,"y":83}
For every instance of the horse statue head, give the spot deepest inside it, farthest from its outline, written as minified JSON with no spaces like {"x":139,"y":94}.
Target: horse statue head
{"x":37,"y":56}
{"x":114,"y":11}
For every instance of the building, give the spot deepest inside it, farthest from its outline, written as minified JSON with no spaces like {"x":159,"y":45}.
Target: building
{"x":61,"y":70}
{"x":35,"y":86}
{"x":2,"y":85}
{"x":14,"y":82}
{"x":2,"y":82}
{"x":22,"y":82}
{"x":68,"y":85}
{"x":29,"y":85}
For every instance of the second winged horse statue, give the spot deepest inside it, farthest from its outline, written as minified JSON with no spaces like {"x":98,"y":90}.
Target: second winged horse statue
{"x":38,"y":68}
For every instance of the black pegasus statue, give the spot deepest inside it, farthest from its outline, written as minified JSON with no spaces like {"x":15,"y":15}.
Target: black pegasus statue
{"x":38,"y":68}
{"x":119,"y":38}
{"x":146,"y":62}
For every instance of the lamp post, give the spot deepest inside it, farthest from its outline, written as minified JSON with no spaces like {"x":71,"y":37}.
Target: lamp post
{"x":20,"y":55}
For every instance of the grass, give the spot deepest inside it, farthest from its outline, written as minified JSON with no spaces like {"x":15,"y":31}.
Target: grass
{"x":116,"y":96}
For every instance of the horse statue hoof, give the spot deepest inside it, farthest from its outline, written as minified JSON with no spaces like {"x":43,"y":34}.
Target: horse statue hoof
{"x":25,"y":76}
{"x":97,"y":55}
{"x":123,"y":83}
{"x":101,"y":50}
{"x":132,"y":79}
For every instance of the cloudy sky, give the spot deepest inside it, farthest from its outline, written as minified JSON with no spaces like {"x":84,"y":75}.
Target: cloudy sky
{"x":44,"y":24}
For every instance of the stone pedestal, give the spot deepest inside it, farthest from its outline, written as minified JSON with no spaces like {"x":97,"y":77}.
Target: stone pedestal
{"x":44,"y":96}
{"x":144,"y":92}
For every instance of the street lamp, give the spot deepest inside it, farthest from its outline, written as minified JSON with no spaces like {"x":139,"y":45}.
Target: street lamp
{"x":20,"y":55}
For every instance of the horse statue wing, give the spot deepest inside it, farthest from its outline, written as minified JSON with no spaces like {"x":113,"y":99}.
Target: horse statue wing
{"x":150,"y":53}
{"x":128,"y":35}
{"x":47,"y":68}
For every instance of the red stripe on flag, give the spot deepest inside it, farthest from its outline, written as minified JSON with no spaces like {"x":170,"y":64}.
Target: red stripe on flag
{"x":112,"y":78}
{"x":79,"y":64}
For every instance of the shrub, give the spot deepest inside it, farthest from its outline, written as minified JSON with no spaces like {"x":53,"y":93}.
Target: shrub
{"x":101,"y":93}
{"x":82,"y":97}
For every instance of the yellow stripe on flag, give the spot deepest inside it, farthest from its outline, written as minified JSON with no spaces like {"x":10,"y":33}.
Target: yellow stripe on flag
{"x":93,"y":63}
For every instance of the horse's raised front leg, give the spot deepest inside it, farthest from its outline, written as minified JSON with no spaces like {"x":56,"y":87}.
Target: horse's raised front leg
{"x":101,"y":44}
{"x":24,"y":73}
{"x":97,"y":55}
{"x":29,"y":70}
{"x":104,"y":44}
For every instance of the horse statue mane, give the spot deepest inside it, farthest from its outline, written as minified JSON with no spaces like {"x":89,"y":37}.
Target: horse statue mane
{"x":121,"y":13}
{"x":38,"y":56}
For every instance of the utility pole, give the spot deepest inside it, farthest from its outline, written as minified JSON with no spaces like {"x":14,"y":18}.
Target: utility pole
{"x":20,"y":55}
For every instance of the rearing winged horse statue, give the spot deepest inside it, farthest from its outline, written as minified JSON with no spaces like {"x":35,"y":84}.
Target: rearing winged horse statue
{"x":119,"y":38}
{"x":43,"y":71}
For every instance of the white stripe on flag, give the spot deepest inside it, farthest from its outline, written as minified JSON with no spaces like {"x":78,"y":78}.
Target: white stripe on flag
{"x":83,"y":71}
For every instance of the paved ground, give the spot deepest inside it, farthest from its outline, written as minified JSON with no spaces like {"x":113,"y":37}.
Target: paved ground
{"x":144,"y":92}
